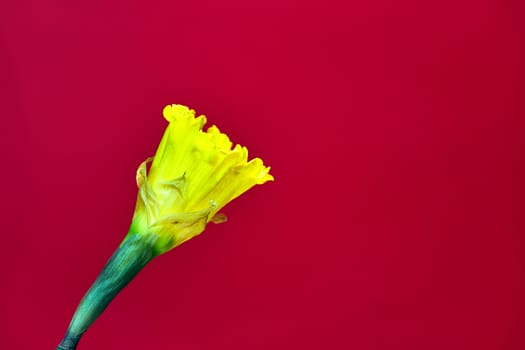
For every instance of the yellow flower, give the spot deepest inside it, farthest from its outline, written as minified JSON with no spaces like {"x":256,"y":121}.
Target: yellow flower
{"x":192,"y":176}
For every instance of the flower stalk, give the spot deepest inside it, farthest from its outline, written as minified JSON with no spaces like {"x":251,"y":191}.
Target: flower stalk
{"x":130,"y":257}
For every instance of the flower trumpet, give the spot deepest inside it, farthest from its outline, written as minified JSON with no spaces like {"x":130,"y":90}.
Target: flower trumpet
{"x":192,"y":176}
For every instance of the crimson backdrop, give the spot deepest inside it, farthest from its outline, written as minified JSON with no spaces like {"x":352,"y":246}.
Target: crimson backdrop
{"x":395,"y":133}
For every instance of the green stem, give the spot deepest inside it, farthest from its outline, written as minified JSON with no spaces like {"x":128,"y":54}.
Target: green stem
{"x":132,"y":255}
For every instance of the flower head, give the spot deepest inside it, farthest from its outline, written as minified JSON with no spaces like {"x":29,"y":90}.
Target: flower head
{"x":192,"y":176}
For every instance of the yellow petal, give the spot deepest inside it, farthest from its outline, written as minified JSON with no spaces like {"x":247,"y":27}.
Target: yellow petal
{"x":193,"y":175}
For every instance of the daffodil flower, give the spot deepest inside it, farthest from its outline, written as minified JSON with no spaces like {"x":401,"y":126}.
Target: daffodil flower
{"x":192,"y":176}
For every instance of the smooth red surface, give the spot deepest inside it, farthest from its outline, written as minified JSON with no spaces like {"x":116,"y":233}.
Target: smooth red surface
{"x":395,"y":131}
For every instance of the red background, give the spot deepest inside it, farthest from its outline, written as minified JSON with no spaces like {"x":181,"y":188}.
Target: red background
{"x":395,"y":131}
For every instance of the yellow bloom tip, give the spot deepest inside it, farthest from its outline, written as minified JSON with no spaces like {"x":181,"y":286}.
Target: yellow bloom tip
{"x":181,"y":113}
{"x":173,"y":112}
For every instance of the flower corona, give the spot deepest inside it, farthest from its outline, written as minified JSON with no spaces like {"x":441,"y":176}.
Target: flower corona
{"x":192,"y":176}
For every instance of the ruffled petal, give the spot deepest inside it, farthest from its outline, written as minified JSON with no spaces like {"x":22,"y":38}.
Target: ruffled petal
{"x":193,"y":175}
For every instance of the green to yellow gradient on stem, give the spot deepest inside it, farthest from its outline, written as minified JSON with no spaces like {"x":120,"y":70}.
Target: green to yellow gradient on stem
{"x":134,"y":253}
